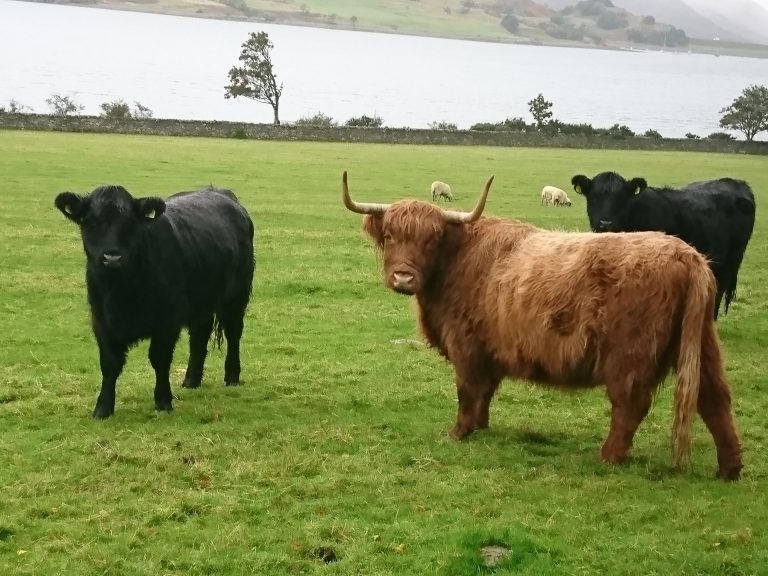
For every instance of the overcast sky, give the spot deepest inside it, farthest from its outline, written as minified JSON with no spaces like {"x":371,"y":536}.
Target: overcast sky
{"x":723,"y":4}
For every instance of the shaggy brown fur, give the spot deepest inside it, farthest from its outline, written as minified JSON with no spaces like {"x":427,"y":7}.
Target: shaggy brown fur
{"x":501,"y":298}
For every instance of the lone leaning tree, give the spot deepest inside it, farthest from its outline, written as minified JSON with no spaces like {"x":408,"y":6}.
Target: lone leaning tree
{"x":748,"y":113}
{"x":256,"y":77}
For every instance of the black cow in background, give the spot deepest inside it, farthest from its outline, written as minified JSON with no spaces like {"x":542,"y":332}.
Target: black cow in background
{"x":155,"y":266}
{"x":716,"y":217}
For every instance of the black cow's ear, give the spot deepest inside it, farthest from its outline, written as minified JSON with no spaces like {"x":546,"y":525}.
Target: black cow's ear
{"x":637,"y":185}
{"x":150,"y":208}
{"x":581,"y":184}
{"x":71,"y":205}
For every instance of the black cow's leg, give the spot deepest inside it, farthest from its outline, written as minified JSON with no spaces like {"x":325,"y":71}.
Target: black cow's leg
{"x":112,"y":360}
{"x":199,"y":334}
{"x":160,"y":356}
{"x":232,"y":322}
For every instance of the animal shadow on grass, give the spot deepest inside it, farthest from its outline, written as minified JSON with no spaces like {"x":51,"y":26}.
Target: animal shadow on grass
{"x":561,"y":450}
{"x":552,"y":443}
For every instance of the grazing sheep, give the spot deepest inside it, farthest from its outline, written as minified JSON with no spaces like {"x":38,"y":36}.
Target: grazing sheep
{"x":441,"y":190}
{"x":555,"y":196}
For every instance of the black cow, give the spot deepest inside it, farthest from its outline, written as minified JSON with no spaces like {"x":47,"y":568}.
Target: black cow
{"x":155,"y":266}
{"x":716,"y":217}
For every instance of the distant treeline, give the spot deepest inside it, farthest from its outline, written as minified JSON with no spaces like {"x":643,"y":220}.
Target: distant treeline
{"x":556,"y":127}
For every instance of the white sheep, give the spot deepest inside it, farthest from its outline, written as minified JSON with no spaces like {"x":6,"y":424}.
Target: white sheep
{"x":441,"y":190}
{"x":555,"y":196}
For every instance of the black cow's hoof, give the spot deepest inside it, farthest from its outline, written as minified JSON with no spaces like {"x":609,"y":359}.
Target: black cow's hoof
{"x":102,"y":412}
{"x":234,"y":383}
{"x":164,"y":406}
{"x":190,"y":384}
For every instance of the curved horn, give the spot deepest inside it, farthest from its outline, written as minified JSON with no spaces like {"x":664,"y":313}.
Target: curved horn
{"x":466,"y":217}
{"x":359,"y":207}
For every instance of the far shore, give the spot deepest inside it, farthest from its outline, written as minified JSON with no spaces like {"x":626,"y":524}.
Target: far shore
{"x":697,"y":46}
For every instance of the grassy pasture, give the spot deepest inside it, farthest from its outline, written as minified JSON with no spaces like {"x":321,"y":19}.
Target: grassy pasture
{"x":335,"y":447}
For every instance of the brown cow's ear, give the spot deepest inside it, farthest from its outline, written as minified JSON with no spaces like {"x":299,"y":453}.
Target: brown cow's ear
{"x":581,"y":184}
{"x":71,"y":205}
{"x":151,"y":208}
{"x":637,"y":185}
{"x":373,"y":226}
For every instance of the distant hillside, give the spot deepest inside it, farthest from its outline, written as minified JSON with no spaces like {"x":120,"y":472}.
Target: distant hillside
{"x":602,"y":22}
{"x":679,"y":14}
{"x":587,"y":23}
{"x":699,"y":18}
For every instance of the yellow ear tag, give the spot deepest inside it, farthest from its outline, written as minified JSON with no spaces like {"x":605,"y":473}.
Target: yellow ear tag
{"x":151,"y":214}
{"x":68,"y":209}
{"x":578,"y":189}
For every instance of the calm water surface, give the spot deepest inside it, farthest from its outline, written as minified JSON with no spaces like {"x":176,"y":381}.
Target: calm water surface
{"x":178,"y":67}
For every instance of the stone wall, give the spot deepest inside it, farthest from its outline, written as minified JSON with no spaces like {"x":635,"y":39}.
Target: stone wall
{"x":218,"y":129}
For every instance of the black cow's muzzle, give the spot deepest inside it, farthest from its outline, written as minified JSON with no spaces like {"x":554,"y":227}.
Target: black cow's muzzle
{"x":112,"y":260}
{"x":604,"y":226}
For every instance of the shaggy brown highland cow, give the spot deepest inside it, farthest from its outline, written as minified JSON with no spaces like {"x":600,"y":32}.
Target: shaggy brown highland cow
{"x":501,"y":298}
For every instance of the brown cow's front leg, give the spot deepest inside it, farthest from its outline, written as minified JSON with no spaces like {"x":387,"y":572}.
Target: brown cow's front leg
{"x":475,"y":395}
{"x":629,"y":405}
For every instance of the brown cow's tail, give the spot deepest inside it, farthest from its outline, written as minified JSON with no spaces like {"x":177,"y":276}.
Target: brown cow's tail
{"x":698,"y":310}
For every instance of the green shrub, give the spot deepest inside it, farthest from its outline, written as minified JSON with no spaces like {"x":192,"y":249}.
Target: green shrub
{"x":443,"y":126}
{"x":365,"y":121}
{"x":721,"y":136}
{"x":141,"y":112}
{"x":511,"y":23}
{"x":620,"y":132}
{"x":319,"y":120}
{"x":63,"y":105}
{"x":116,"y":110}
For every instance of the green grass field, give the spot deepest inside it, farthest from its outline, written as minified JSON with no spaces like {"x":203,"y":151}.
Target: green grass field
{"x":335,"y":447}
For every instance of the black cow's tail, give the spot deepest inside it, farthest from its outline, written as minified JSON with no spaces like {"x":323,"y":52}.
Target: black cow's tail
{"x":217,"y":333}
{"x":729,"y":294}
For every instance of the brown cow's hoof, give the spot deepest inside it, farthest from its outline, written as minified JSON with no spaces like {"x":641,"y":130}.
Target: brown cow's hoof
{"x":613,"y":454}
{"x":613,"y":459}
{"x":730,"y":473}
{"x":459,"y":432}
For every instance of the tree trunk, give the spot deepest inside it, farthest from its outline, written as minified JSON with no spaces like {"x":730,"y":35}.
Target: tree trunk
{"x":276,"y":121}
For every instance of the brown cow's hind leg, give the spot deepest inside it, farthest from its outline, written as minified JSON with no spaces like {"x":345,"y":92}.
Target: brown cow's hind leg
{"x":714,"y":405}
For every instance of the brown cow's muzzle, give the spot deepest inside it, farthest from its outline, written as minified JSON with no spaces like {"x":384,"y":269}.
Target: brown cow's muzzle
{"x":403,"y":282}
